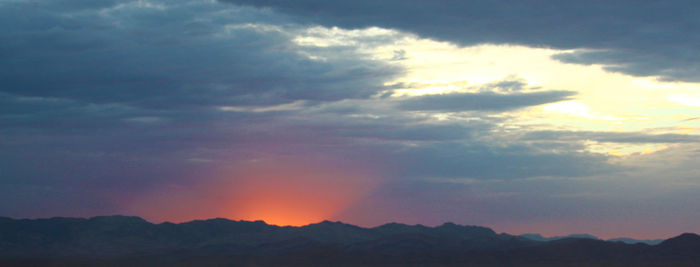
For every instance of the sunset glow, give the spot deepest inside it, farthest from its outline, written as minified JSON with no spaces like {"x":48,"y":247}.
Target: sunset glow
{"x":293,"y":193}
{"x":278,"y":192}
{"x":574,"y":116}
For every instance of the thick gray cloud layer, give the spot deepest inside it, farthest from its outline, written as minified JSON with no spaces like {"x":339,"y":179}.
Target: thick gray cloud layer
{"x":640,"y":38}
{"x":181,"y":55}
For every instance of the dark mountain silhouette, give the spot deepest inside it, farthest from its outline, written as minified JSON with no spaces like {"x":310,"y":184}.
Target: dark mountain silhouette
{"x":538,"y":237}
{"x":682,"y":246}
{"x":132,"y":241}
{"x":627,"y":240}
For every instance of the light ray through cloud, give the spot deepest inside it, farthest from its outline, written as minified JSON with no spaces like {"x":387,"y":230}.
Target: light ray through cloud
{"x":295,"y":112}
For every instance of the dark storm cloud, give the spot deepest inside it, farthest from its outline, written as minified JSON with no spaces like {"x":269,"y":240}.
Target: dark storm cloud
{"x":673,"y":65}
{"x":175,"y":56}
{"x":639,"y":37}
{"x":144,"y":80}
{"x":482,"y":101}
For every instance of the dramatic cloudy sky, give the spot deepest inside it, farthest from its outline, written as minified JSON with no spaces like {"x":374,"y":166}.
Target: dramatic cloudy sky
{"x":525,"y":116}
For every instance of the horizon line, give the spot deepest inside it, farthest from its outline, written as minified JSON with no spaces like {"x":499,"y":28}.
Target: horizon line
{"x":344,"y":223}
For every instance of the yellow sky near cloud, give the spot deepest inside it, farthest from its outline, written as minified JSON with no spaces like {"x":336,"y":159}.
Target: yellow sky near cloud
{"x":605,"y":101}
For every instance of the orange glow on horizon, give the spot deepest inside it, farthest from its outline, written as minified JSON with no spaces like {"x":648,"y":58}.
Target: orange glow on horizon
{"x":294,"y":193}
{"x":289,"y":193}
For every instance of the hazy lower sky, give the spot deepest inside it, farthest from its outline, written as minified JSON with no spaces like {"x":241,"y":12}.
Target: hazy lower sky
{"x":553,"y":117}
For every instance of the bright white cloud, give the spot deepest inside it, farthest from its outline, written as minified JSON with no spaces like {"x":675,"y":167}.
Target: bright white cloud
{"x":605,"y":101}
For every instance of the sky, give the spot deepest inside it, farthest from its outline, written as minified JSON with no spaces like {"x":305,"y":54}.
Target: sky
{"x":551,"y":117}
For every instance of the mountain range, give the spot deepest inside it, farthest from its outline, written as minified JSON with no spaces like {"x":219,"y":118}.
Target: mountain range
{"x":538,"y":237}
{"x":132,"y":241}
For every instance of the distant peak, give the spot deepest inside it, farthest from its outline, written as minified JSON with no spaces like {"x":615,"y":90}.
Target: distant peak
{"x":449,"y":224}
{"x":328,"y":222}
{"x":532,"y":235}
{"x":228,"y":221}
{"x":119,"y":218}
{"x":683,"y":239}
{"x":689,"y":235}
{"x":587,"y":236}
{"x":629,"y":240}
{"x":392,"y":224}
{"x":539,"y":237}
{"x":536,"y":237}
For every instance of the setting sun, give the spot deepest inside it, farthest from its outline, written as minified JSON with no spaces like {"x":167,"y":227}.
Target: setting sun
{"x":285,"y":193}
